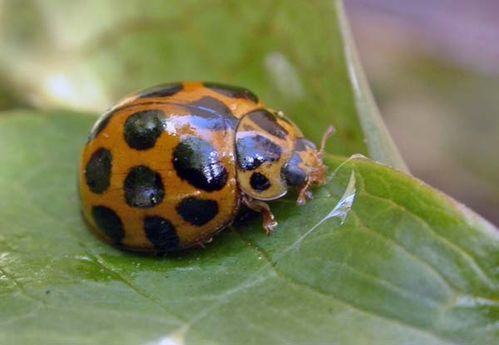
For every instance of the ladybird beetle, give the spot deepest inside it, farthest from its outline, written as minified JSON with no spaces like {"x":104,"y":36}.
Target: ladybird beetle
{"x":170,"y":166}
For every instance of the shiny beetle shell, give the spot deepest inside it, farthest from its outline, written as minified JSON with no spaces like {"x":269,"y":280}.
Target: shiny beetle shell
{"x":169,"y":167}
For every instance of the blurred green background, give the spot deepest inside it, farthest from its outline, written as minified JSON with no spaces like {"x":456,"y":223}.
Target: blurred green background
{"x":434,"y":70}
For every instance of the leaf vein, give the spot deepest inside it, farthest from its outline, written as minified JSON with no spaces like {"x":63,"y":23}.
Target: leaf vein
{"x":451,"y":245}
{"x":329,"y":295}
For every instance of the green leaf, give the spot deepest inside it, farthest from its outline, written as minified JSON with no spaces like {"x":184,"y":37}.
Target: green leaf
{"x":88,"y":54}
{"x":406,"y":265}
{"x":379,"y":142}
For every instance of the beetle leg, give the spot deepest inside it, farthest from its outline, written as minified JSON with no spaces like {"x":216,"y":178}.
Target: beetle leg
{"x":269,"y":222}
{"x":304,"y":193}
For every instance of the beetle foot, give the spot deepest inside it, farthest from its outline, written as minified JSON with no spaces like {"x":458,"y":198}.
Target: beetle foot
{"x":304,"y":194}
{"x":269,"y":222}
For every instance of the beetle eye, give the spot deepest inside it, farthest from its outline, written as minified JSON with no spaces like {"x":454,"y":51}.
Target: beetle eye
{"x":292,"y":173}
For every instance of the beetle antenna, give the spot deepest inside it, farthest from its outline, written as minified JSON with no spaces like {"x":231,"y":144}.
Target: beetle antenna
{"x":329,"y":132}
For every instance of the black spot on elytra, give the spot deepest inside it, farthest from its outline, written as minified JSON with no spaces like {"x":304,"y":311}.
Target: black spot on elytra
{"x":268,"y":122}
{"x":301,"y":144}
{"x":209,"y":113}
{"x":143,"y":128}
{"x":162,"y":90}
{"x":98,"y":171}
{"x":196,"y":161}
{"x":108,"y":222}
{"x":292,"y":173}
{"x":161,"y":233}
{"x":143,"y":187}
{"x":253,"y":151}
{"x":100,"y":125}
{"x":232,"y":91}
{"x":197,"y":211}
{"x":259,"y":182}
